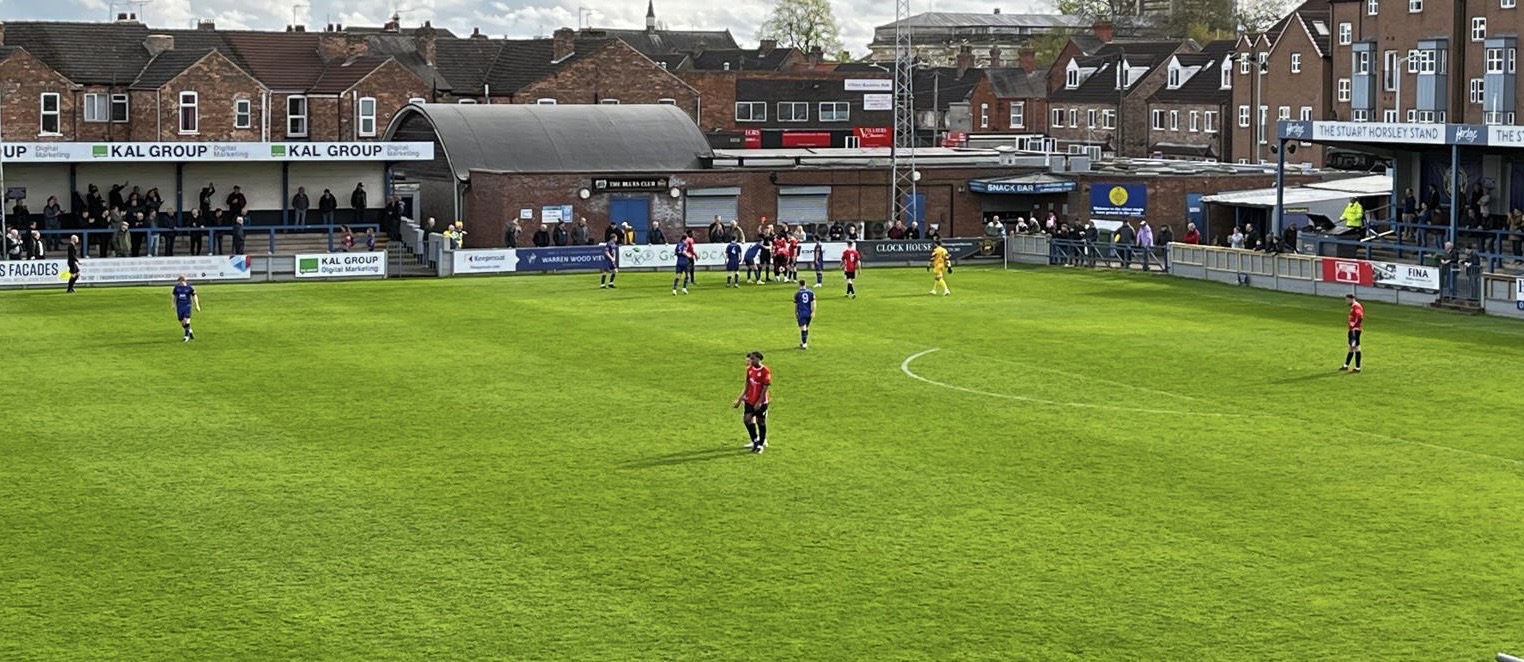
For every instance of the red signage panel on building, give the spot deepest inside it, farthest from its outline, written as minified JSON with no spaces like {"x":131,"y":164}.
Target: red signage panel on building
{"x":1348,"y":272}
{"x":874,"y":136}
{"x":806,"y":138}
{"x":955,"y":139}
{"x":753,"y":138}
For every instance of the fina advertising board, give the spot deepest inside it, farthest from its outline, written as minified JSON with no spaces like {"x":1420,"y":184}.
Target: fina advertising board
{"x":1412,"y":276}
{"x":340,"y":265}
{"x":127,"y":270}
{"x":486,"y":261}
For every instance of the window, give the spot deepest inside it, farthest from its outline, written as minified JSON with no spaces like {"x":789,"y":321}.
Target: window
{"x":1073,"y":118}
{"x":98,"y":106}
{"x":667,"y":102}
{"x":1283,"y":113}
{"x":1209,"y":121}
{"x":1494,"y":63}
{"x":1431,"y":61}
{"x":1296,"y":63}
{"x":1346,"y":34}
{"x":1362,"y":116}
{"x":1390,"y":117}
{"x":1071,"y":78}
{"x":751,"y":111}
{"x":119,"y":108}
{"x":1264,"y":116}
{"x":1243,"y":64}
{"x":417,"y":100}
{"x":1018,"y":114}
{"x":1362,"y":63}
{"x":243,"y":112}
{"x":835,"y":111}
{"x":190,"y":112}
{"x":1264,"y":59}
{"x":1227,"y":74}
{"x":1343,"y":89}
{"x":1108,"y":119}
{"x":1158,"y":120}
{"x":1389,"y":70}
{"x":1306,"y":115}
{"x":1478,"y":90}
{"x":1058,"y":118}
{"x":466,"y":101}
{"x":793,"y":111}
{"x":1372,"y":7}
{"x":1174,"y":78}
{"x":1478,"y":28}
{"x":1195,"y":121}
{"x":1508,"y":4}
{"x":608,"y":102}
{"x":1174,"y":120}
{"x":49,"y":124}
{"x":365,"y":117}
{"x":1513,"y":60}
{"x":296,"y":116}
{"x":984,"y":116}
{"x":1415,"y":6}
{"x":1090,"y":117}
{"x":1243,"y":117}
{"x":544,"y":101}
{"x":1413,"y":61}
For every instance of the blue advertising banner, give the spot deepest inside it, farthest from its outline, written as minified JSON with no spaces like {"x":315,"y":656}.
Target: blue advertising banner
{"x":1435,"y":171}
{"x":1118,"y":199}
{"x":1195,"y":212}
{"x":564,"y":257}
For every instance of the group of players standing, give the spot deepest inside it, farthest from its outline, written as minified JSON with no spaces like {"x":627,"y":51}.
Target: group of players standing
{"x":778,"y":248}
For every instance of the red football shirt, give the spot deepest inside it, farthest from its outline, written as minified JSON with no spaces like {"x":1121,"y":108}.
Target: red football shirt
{"x":850,"y":258}
{"x":688,"y":248}
{"x":1356,"y":316}
{"x":793,"y":247}
{"x":780,"y":248}
{"x":757,"y":380}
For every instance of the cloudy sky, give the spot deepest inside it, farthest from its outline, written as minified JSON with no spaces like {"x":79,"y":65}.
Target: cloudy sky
{"x":514,"y":18}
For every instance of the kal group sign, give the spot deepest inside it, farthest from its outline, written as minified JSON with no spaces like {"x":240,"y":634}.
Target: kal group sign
{"x":207,"y":152}
{"x":341,"y":265}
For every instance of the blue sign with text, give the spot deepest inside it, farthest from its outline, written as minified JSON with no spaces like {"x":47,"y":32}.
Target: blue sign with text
{"x":564,"y":257}
{"x":1118,"y":199}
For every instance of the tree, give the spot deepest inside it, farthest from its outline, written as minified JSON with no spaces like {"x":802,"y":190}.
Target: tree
{"x":1096,"y":9}
{"x":1259,"y":15}
{"x":804,"y":24}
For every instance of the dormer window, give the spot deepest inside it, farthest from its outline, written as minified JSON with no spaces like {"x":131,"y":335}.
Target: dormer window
{"x":1174,"y":77}
{"x":1227,"y":74}
{"x":1071,"y":76}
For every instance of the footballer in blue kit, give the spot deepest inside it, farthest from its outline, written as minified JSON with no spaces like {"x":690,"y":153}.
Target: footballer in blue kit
{"x":752,"y":252}
{"x":684,"y":266}
{"x":610,"y":264}
{"x":804,"y":311}
{"x":733,"y":263}
{"x":185,"y":299}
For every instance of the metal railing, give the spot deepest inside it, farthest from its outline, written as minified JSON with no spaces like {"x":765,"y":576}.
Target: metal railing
{"x":142,"y":242}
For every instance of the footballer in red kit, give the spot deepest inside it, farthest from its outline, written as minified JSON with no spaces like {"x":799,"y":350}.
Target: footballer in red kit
{"x":851,"y":261}
{"x":1356,"y":326}
{"x":756,"y":396}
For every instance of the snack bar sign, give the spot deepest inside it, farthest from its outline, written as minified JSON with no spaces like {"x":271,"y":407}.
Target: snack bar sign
{"x":193,"y":152}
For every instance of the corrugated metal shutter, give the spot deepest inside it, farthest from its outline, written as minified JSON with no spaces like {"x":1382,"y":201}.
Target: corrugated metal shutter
{"x":703,"y":205}
{"x":804,"y":204}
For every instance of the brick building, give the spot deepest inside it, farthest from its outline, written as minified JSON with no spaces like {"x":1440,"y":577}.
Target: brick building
{"x":1186,"y":115}
{"x":1284,"y":73}
{"x":1116,"y":82}
{"x":1011,"y":99}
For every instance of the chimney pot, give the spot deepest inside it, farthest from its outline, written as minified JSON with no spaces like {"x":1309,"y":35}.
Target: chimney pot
{"x":563,"y":44}
{"x":206,"y":26}
{"x":997,"y":11}
{"x":158,"y":43}
{"x":1104,"y":31}
{"x":1028,"y":59}
{"x":766,"y":46}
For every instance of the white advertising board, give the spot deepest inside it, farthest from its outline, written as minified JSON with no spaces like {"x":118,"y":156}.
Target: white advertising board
{"x":127,"y":270}
{"x":340,"y":265}
{"x":710,"y":255}
{"x":486,"y":261}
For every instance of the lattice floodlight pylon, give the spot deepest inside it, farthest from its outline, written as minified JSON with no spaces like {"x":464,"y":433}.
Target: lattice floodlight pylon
{"x":902,"y":157}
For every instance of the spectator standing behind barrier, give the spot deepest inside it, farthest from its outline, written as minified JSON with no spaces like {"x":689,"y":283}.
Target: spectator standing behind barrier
{"x":1236,"y":240}
{"x":511,"y":233}
{"x":913,"y":231}
{"x":238,"y":236}
{"x":1354,"y":217}
{"x":204,"y":200}
{"x":195,"y":229}
{"x":542,"y":236}
{"x":327,"y":205}
{"x":393,"y":217}
{"x":581,"y":236}
{"x":628,"y":238}
{"x":95,"y":204}
{"x":1473,"y":263}
{"x":655,"y":236}
{"x":896,"y":232}
{"x":237,"y":203}
{"x":34,"y":247}
{"x":1251,"y":238}
{"x":299,"y":205}
{"x":13,"y":246}
{"x":152,"y":224}
{"x":347,"y":239}
{"x":1288,"y":238}
{"x":837,"y":232}
{"x":357,"y":202}
{"x":1449,"y":264}
{"x":171,"y":233}
{"x":716,"y":227}
{"x":116,"y":197}
{"x":452,"y":241}
{"x":558,"y":235}
{"x":370,"y":239}
{"x":152,"y":200}
{"x":1409,"y":210}
{"x":1516,"y":234}
{"x":1165,"y":237}
{"x":51,"y":213}
{"x":1145,"y":242}
{"x":138,"y":225}
{"x":215,"y":225}
{"x":120,"y":240}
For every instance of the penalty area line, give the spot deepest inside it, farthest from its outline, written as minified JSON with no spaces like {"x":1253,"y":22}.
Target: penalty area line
{"x":905,"y":368}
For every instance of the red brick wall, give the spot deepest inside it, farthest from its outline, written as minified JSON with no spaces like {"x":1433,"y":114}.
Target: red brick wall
{"x":717,"y":89}
{"x":1166,"y":195}
{"x":1035,"y":116}
{"x":23,"y":79}
{"x":1184,"y":135}
{"x":614,"y":71}
{"x":217,"y":82}
{"x":1312,"y":88}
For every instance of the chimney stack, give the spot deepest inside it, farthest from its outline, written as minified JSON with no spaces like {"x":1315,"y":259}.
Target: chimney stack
{"x":1028,"y":59}
{"x":766,"y":46}
{"x":563,"y":44}
{"x":1104,"y":31}
{"x":332,"y":45}
{"x":206,"y":26}
{"x":997,"y":11}
{"x":476,"y":33}
{"x":425,"y":40}
{"x":994,"y":57}
{"x":965,"y":59}
{"x":127,"y":18}
{"x":2,"y":34}
{"x":158,"y":43}
{"x":815,"y":56}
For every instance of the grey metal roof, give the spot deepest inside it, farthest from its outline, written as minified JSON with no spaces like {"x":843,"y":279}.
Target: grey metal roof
{"x":962,"y":20}
{"x":561,"y":138}
{"x":1017,"y":83}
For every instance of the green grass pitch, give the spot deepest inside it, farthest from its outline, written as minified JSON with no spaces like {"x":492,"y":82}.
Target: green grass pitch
{"x":1090,"y":466}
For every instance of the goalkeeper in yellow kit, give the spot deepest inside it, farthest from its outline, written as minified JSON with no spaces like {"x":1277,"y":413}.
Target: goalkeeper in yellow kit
{"x":940,"y":265}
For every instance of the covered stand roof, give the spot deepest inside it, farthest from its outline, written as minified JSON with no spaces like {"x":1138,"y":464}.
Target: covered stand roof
{"x":561,"y":138}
